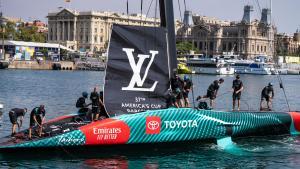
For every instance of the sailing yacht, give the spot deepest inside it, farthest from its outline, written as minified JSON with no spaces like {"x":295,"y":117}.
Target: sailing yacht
{"x":137,"y":82}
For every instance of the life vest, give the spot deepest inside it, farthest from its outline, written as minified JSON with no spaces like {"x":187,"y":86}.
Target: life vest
{"x":80,"y":102}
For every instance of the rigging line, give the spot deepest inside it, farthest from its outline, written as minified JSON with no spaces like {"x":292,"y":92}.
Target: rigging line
{"x":149,"y":9}
{"x":179,"y":6}
{"x":155,"y":15}
{"x":141,"y":12}
{"x":193,"y":95}
{"x":259,"y":8}
{"x":127,"y":12}
{"x":184,"y":5}
{"x":282,"y":87}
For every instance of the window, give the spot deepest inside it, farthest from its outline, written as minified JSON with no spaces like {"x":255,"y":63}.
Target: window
{"x":195,"y":44}
{"x":101,"y":39}
{"x":257,"y":48}
{"x":96,"y":39}
{"x":229,"y":46}
{"x":265,"y":48}
{"x":253,"y":49}
{"x":96,"y":30}
{"x":224,"y":46}
{"x":200,"y":45}
{"x":211,"y":46}
{"x":87,"y":38}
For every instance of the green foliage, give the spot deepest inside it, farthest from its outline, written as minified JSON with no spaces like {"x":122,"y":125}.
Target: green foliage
{"x":185,"y":47}
{"x":22,"y":33}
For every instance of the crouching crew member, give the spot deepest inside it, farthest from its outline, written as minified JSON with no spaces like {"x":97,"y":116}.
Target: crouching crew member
{"x":267,"y":94}
{"x":37,"y":116}
{"x":80,"y":103}
{"x":177,"y":84}
{"x":212,"y":91}
{"x":14,"y":115}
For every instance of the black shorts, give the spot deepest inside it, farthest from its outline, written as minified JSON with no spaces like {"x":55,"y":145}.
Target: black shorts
{"x":12,"y":117}
{"x":179,"y":96}
{"x":95,"y":110}
{"x":83,"y":110}
{"x":185,"y":94}
{"x":236,"y":96}
{"x":210,"y":95}
{"x":266,"y":97}
{"x":38,"y":119}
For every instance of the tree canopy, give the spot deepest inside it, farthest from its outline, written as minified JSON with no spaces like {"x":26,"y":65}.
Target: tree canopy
{"x":22,"y":33}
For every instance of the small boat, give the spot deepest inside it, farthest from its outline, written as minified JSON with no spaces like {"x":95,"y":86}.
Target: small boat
{"x":183,"y":69}
{"x":210,"y":66}
{"x":4,"y":64}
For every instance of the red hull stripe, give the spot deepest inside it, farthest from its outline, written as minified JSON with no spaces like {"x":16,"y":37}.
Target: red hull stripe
{"x":296,"y":120}
{"x":59,"y":118}
{"x":108,"y":131}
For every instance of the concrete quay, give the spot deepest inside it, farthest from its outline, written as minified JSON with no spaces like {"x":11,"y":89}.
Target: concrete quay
{"x":42,"y":65}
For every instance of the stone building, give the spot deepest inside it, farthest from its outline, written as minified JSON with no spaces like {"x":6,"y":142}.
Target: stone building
{"x":89,"y":31}
{"x":247,"y":38}
{"x":288,"y":45}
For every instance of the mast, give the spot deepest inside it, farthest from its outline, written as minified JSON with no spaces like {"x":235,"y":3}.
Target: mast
{"x":167,"y":21}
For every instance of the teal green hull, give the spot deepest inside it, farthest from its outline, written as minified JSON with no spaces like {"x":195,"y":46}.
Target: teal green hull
{"x":170,"y":125}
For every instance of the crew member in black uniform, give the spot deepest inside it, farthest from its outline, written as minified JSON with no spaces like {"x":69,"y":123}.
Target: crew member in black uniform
{"x":177,"y":84}
{"x":237,"y":88}
{"x":14,"y":115}
{"x":95,"y":105}
{"x":267,"y":94}
{"x":80,"y":103}
{"x":188,"y":86}
{"x":212,"y":91}
{"x":37,"y":116}
{"x":171,"y":100}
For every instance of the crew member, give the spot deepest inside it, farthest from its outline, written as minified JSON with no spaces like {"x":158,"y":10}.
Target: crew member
{"x":95,"y":105}
{"x":267,"y":94}
{"x":14,"y":115}
{"x":177,"y":85}
{"x":171,"y":99}
{"x":37,"y":116}
{"x":212,"y":91}
{"x":237,"y":88}
{"x":80,"y":103}
{"x":188,"y":85}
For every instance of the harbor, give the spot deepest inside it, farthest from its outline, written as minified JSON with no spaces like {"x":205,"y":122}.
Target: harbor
{"x":30,"y":94}
{"x":166,"y":88}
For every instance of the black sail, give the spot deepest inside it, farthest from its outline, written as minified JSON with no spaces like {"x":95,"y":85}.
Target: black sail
{"x":137,"y":73}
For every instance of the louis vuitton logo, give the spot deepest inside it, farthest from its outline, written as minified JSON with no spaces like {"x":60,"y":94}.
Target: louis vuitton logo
{"x":137,"y":82}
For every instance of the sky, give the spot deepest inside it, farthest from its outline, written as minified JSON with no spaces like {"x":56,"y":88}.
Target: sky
{"x":285,"y":13}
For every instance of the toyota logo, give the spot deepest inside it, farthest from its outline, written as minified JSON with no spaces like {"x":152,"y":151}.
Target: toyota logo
{"x":153,"y":125}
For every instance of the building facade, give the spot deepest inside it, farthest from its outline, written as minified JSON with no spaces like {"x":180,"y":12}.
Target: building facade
{"x":247,"y":38}
{"x":89,"y":31}
{"x":288,"y":45}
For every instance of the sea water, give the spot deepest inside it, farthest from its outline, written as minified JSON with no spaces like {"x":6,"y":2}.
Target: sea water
{"x":59,"y":90}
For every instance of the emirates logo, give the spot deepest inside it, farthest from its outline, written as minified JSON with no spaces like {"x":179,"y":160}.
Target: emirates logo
{"x":153,"y":125}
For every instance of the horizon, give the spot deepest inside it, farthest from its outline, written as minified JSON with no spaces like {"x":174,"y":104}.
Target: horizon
{"x":201,"y":7}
